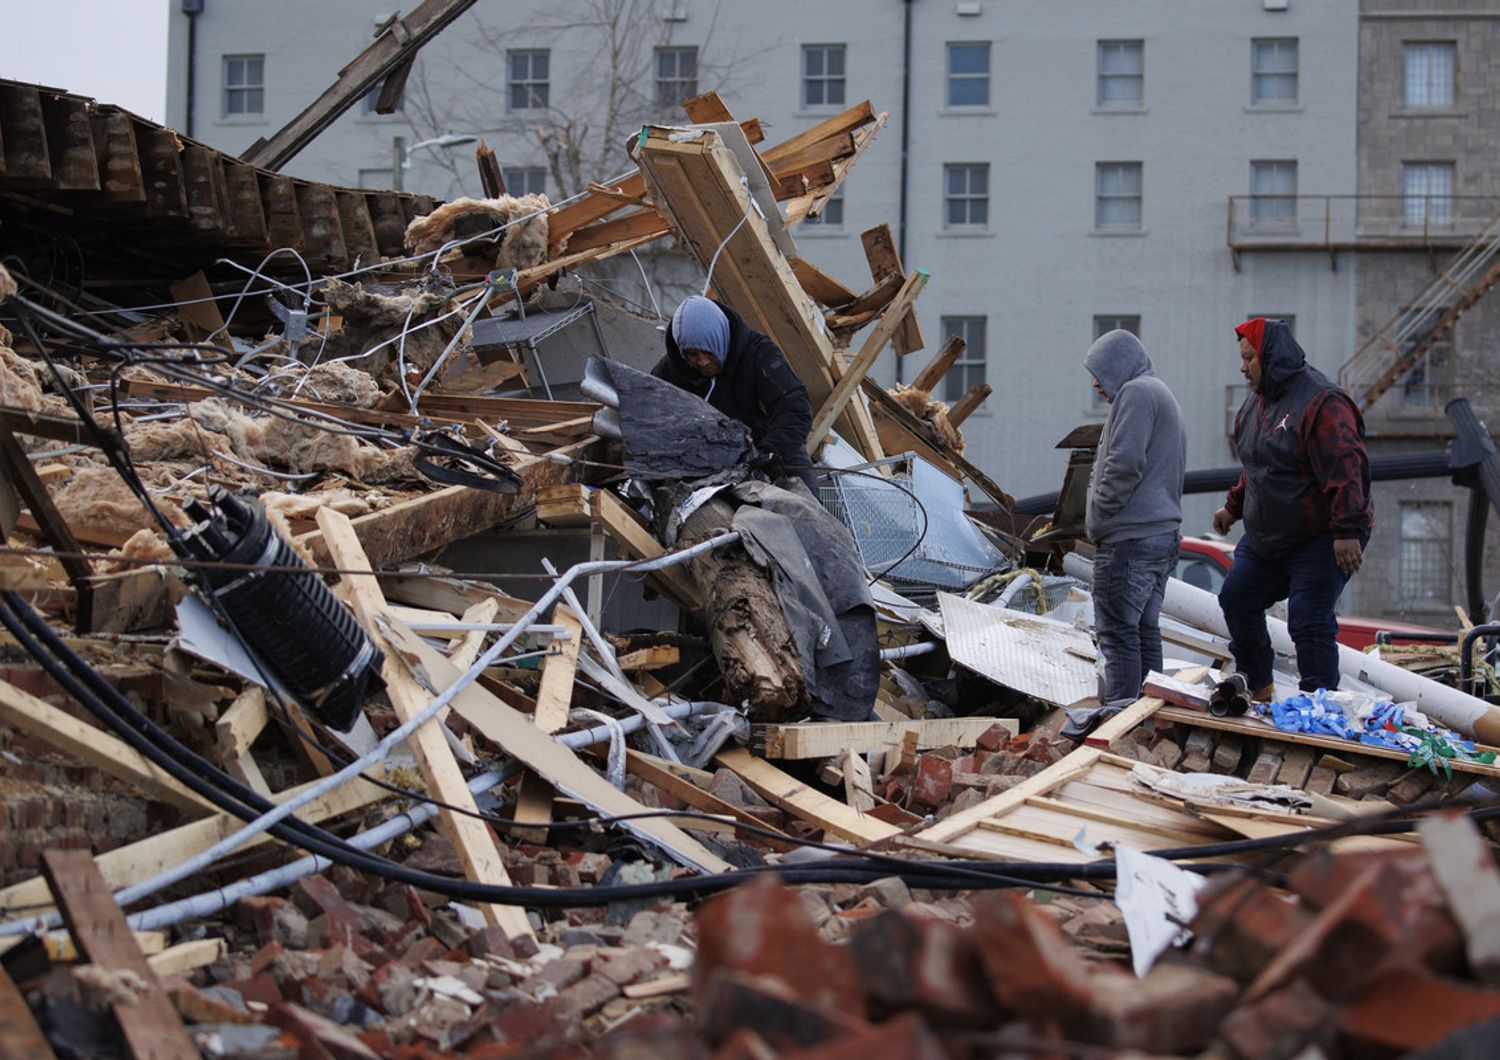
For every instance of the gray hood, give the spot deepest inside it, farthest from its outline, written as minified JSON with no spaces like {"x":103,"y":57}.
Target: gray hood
{"x":1115,"y":358}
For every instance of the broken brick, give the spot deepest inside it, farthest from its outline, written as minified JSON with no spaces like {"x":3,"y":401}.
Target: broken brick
{"x":761,"y":929}
{"x":1032,"y":967}
{"x":1175,"y":1009}
{"x":787,"y":1018}
{"x":1280,"y":1026}
{"x":995,"y":738}
{"x":911,"y":962}
{"x":932,"y":780}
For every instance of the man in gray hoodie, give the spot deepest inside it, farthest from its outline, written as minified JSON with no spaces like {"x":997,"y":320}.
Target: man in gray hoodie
{"x":1134,"y":512}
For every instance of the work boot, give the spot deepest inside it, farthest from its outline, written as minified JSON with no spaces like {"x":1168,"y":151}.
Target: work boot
{"x":1265,"y":694}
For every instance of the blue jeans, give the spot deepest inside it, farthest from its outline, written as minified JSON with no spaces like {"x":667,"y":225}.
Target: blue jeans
{"x":1130,"y":578}
{"x":1309,"y":580}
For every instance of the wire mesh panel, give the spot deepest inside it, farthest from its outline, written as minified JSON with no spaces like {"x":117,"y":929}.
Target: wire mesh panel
{"x":911,"y":529}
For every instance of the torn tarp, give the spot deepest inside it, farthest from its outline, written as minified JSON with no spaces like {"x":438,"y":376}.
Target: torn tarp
{"x":823,"y":592}
{"x":667,"y":432}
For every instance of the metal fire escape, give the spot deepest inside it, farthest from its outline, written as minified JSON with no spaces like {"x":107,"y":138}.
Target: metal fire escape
{"x":1408,"y":336}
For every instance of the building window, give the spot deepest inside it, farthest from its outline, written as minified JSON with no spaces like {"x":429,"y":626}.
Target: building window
{"x":822,"y":75}
{"x":832,"y":214}
{"x":376,"y":179}
{"x":676,"y":75}
{"x":1423,"y":564}
{"x":968,"y":73}
{"x":1117,"y":190}
{"x":1122,"y":73}
{"x":524,"y":180}
{"x":966,"y":195}
{"x":1427,"y":189}
{"x":528,"y":78}
{"x":1423,"y":386}
{"x":1273,"y":193}
{"x":1429,"y":74}
{"x":969,"y":368}
{"x":1273,"y":71}
{"x":244,"y":85}
{"x":1102,"y":326}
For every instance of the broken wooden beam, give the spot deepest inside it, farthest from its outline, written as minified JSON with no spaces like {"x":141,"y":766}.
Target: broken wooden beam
{"x":823,"y":739}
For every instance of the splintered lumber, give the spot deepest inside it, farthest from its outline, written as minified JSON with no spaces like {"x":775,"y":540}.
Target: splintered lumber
{"x":534,"y":803}
{"x":881,"y":253}
{"x":21,"y":1039}
{"x":803,"y":802}
{"x":145,"y":858}
{"x":822,"y":739}
{"x":964,"y":407}
{"x":859,"y":789}
{"x":236,"y":730}
{"x":187,"y":956}
{"x":874,"y":344}
{"x":466,"y":648}
{"x":699,"y":185}
{"x":471,"y":837}
{"x":668,"y":777}
{"x":746,"y":628}
{"x":821,"y":287}
{"x":553,"y":761}
{"x":1124,"y":722}
{"x":148,"y":1022}
{"x":932,"y":374}
{"x":652,"y":658}
{"x":23,"y":711}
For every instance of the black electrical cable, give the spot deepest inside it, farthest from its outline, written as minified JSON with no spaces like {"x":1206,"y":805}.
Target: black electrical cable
{"x":926,"y":520}
{"x":247,"y":805}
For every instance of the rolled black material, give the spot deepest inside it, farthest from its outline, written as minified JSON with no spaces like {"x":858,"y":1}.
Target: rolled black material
{"x":291,"y":623}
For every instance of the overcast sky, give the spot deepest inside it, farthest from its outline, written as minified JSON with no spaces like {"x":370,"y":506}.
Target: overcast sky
{"x":112,"y":50}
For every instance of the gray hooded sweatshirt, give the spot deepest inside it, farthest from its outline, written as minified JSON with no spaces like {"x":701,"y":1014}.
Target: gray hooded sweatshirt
{"x":1136,"y":487}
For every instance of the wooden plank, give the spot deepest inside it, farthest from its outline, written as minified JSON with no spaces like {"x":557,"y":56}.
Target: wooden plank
{"x":932,"y":374}
{"x":236,"y":730}
{"x":803,"y":802}
{"x":908,"y":432}
{"x":825,"y":738}
{"x":23,"y":711}
{"x":471,"y":837}
{"x":873,"y":345}
{"x":653,"y":658}
{"x":1261,"y":730}
{"x":148,"y":1023}
{"x":199,"y":312}
{"x":466,"y":648}
{"x":20,"y":1037}
{"x":553,"y":698}
{"x":665,"y":776}
{"x":553,"y":761}
{"x":699,"y":185}
{"x":880,"y":252}
{"x":965,"y":406}
{"x":145,"y":858}
{"x":1074,"y":765}
{"x":839,"y":124}
{"x":859,"y":790}
{"x":187,"y":956}
{"x":1124,"y":722}
{"x":821,"y":287}
{"x":635,"y":540}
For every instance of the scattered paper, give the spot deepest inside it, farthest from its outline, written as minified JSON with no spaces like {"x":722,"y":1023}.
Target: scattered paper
{"x":1158,"y":899}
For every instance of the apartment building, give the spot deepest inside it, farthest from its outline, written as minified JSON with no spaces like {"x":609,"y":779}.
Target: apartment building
{"x":1060,"y":166}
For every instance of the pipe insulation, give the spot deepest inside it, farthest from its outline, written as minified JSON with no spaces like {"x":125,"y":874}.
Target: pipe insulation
{"x":1463,"y":713}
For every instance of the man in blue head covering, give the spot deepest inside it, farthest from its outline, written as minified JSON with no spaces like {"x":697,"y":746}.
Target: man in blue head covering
{"x":713,"y":353}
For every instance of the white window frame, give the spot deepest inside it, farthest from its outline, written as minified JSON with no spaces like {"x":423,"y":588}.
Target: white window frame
{"x":973,"y":201}
{"x":672,"y":84}
{"x":968,"y":77}
{"x":1273,"y":193}
{"x":244,"y":89}
{"x":831,"y":88}
{"x":1108,"y":80}
{"x":524,"y":180}
{"x":525,"y":89}
{"x":1270,"y":71}
{"x":1427,"y":194}
{"x":1118,"y":196}
{"x":1424,"y":558}
{"x":1429,"y":74}
{"x":971,"y":366}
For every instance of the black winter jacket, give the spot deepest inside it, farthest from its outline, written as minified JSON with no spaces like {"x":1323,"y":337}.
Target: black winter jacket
{"x":756,"y":386}
{"x":1302,"y":443}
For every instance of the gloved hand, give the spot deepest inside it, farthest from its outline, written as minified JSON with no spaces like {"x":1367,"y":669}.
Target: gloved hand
{"x":768,"y":464}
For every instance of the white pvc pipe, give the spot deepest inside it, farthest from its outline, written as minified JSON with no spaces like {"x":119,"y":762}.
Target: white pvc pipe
{"x":1463,"y":713}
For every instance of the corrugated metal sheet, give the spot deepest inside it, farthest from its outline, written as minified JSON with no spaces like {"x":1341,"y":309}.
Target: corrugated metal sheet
{"x":1019,"y":651}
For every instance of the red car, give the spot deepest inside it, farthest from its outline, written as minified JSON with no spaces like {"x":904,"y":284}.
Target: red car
{"x":1204,"y":561}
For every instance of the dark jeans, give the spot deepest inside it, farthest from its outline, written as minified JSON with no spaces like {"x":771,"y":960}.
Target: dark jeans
{"x":1129,"y":580}
{"x":1310,"y":581}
